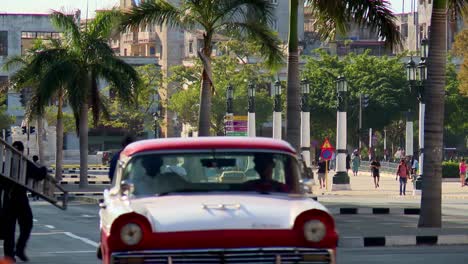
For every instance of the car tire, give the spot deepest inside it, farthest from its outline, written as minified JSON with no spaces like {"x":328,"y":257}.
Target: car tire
{"x":99,"y":252}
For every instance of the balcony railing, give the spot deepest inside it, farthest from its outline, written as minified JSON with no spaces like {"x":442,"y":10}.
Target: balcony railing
{"x":146,"y":37}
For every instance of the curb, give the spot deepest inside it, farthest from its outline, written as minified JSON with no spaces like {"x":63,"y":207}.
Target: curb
{"x":89,"y":182}
{"x":377,"y":210}
{"x":404,"y":240}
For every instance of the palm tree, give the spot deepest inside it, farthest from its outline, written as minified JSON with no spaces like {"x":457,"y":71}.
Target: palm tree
{"x":74,"y":70}
{"x":431,"y":212}
{"x":242,"y":19}
{"x":24,"y":77}
{"x":331,"y":17}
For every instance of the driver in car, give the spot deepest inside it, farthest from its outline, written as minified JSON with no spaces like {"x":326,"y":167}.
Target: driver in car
{"x":154,"y":181}
{"x":264,"y":165}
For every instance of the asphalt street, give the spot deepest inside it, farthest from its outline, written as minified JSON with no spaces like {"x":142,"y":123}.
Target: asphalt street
{"x":71,"y":237}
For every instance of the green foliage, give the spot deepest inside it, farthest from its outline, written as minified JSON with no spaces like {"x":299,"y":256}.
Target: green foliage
{"x":136,"y":118}
{"x":226,"y":70}
{"x":382,"y":78}
{"x":50,"y":114}
{"x":450,"y":169}
{"x":456,"y":114}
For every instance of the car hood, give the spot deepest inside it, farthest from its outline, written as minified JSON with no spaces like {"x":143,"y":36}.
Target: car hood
{"x":173,"y":213}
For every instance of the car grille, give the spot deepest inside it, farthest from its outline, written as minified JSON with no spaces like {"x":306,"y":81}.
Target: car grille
{"x":226,"y":256}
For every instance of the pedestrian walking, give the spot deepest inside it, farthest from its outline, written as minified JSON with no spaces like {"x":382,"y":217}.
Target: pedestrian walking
{"x":414,"y":165}
{"x":321,"y":172}
{"x":16,"y":208}
{"x":113,"y":163}
{"x":402,"y":172}
{"x":462,"y":169}
{"x":375,"y":170}
{"x":348,"y":163}
{"x":356,"y":161}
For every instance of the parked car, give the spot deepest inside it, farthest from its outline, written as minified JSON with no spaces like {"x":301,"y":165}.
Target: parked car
{"x":212,"y":200}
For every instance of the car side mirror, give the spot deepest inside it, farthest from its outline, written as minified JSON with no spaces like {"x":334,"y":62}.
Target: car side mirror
{"x":126,"y":188}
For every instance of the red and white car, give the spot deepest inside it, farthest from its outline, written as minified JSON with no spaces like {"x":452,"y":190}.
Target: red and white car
{"x":212,"y":200}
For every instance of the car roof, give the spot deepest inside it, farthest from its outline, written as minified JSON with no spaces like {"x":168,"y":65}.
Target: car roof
{"x":194,"y":143}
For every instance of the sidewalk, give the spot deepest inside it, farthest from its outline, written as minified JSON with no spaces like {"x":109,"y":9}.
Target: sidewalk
{"x":363,"y":185}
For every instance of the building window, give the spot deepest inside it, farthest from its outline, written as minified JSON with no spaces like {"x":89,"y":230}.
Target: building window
{"x":152,"y":51}
{"x":404,"y":30}
{"x":190,"y":47}
{"x":125,"y":52}
{"x":3,"y":43}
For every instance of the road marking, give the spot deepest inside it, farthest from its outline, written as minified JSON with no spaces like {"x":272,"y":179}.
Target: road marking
{"x":47,"y":233}
{"x":50,"y":226}
{"x":82,"y":239}
{"x":34,"y":220}
{"x":88,"y":216}
{"x":69,"y":252}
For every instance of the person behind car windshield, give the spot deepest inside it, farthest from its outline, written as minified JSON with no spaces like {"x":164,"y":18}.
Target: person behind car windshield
{"x":264,"y":165}
{"x":157,"y":179}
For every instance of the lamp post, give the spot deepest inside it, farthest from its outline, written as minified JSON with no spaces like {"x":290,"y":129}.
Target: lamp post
{"x":156,"y":116}
{"x":411,"y":76}
{"x":341,"y":178}
{"x":251,"y":110}
{"x":305,"y":121}
{"x":229,"y":98}
{"x":277,"y":123}
{"x":422,"y":67}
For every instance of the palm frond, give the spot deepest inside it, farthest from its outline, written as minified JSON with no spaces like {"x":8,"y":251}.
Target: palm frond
{"x":261,"y":34}
{"x":66,"y":24}
{"x":102,"y":25}
{"x":151,"y":12}
{"x":336,"y":14}
{"x":13,"y":62}
{"x":242,"y":10}
{"x":460,"y":7}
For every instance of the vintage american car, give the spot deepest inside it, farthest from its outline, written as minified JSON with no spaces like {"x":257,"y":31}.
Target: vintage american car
{"x":212,"y":200}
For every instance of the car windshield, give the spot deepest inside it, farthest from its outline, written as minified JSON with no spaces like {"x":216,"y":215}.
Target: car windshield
{"x":161,"y":174}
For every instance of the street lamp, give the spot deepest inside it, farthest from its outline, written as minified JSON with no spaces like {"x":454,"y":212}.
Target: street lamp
{"x":424,"y":48}
{"x":411,"y":71}
{"x":156,"y":115}
{"x":251,"y":110}
{"x":229,"y":98}
{"x":305,"y":121}
{"x":277,"y":123}
{"x":422,"y":67}
{"x":341,"y":178}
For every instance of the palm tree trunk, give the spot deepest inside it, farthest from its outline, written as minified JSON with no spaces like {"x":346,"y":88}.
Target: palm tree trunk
{"x":59,"y":138}
{"x":204,"y":118}
{"x":434,"y":120}
{"x":40,"y":142}
{"x":83,"y":134}
{"x":293,"y":125}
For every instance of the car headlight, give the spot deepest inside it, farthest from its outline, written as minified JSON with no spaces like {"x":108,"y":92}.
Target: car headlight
{"x":314,"y":230}
{"x":131,"y":234}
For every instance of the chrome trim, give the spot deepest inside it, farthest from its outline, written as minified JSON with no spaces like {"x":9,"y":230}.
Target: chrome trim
{"x":274,"y":255}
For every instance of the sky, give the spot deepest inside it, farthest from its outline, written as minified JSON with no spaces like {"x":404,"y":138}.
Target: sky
{"x":44,"y":6}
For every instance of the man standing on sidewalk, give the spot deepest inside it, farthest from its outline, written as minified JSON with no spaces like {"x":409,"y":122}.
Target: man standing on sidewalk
{"x":375,"y":169}
{"x":402,"y":172}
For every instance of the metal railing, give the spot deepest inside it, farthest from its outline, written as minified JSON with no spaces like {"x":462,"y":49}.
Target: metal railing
{"x":385,"y":166}
{"x":14,"y":166}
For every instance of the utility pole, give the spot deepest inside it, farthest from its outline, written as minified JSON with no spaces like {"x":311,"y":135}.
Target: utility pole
{"x":360,"y":121}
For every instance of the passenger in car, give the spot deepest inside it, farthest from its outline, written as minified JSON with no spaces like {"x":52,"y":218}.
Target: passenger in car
{"x":154,"y":181}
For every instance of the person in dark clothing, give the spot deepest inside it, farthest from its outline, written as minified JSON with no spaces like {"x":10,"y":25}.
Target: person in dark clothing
{"x":16,"y":208}
{"x":375,"y":169}
{"x":321,"y":172}
{"x":113,"y":163}
{"x":348,"y":163}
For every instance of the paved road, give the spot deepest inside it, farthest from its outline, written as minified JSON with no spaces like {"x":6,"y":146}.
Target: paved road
{"x":70,"y":237}
{"x":406,"y":255}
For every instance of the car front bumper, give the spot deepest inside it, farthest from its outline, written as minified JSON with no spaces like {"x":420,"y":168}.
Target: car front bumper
{"x":227,"y":256}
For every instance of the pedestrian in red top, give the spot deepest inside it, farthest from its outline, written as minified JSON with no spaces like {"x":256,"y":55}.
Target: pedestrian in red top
{"x":462,"y":168}
{"x":403,"y":173}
